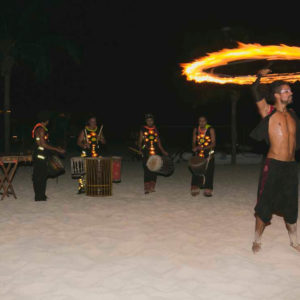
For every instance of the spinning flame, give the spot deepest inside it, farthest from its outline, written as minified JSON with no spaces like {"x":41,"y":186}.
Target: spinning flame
{"x":196,"y":70}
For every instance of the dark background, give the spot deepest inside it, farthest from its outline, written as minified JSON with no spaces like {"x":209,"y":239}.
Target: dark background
{"x":130,"y":55}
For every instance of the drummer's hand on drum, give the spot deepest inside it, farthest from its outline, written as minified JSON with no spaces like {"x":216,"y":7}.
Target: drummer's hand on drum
{"x":165,"y":153}
{"x":195,"y":149}
{"x":61,"y":150}
{"x":86,"y":146}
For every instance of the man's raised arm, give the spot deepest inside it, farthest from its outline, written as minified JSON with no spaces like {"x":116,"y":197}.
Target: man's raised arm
{"x":261,"y":103}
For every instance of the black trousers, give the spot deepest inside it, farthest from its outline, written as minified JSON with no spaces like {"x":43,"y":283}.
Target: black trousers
{"x":278,"y":191}
{"x":209,"y":177}
{"x":148,"y":175}
{"x":39,"y":178}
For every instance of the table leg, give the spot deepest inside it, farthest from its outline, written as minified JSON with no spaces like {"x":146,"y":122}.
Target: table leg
{"x":9,"y":173}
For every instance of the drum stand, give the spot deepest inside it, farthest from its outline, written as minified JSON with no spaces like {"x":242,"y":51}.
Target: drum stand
{"x":8,"y":175}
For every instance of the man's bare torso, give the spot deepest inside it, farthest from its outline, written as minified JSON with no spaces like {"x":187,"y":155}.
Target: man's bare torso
{"x":282,"y":136}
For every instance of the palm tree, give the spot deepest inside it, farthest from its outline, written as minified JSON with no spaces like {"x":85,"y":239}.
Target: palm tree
{"x":23,"y":39}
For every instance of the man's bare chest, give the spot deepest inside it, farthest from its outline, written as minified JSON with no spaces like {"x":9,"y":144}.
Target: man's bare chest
{"x":282,"y":124}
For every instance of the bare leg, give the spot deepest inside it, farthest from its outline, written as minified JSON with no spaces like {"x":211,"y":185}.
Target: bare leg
{"x":292,"y":230}
{"x":152,"y":186}
{"x":259,"y":229}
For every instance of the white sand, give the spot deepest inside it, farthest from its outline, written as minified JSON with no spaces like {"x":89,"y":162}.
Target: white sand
{"x":166,"y":245}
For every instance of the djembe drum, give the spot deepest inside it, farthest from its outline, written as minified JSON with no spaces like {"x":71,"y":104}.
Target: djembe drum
{"x":55,"y":166}
{"x":160,"y":164}
{"x":77,"y":167}
{"x":198,"y":165}
{"x":116,"y":168}
{"x":98,"y":176}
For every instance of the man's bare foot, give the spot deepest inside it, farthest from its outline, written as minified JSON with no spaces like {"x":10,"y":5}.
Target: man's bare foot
{"x":256,"y":247}
{"x":296,"y":246}
{"x":208,"y":193}
{"x":195,"y":191}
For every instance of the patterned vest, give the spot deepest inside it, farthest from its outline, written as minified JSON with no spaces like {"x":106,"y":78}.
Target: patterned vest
{"x":40,"y":152}
{"x":91,"y":136}
{"x":150,"y":140}
{"x":203,"y":139}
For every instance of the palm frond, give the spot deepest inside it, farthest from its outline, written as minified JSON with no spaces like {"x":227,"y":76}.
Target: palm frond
{"x":33,"y":22}
{"x":56,"y":41}
{"x":35,"y":55}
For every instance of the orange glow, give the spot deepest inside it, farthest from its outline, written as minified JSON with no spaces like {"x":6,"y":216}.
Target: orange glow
{"x":196,"y":70}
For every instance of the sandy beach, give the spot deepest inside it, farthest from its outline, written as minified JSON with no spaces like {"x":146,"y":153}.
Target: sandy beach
{"x":166,"y":245}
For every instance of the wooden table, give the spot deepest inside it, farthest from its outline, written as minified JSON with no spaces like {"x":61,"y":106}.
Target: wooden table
{"x":9,"y":166}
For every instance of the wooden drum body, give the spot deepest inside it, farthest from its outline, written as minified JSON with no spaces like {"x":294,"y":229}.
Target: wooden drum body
{"x":160,"y":164}
{"x":55,"y":166}
{"x":198,"y":165}
{"x":98,"y":177}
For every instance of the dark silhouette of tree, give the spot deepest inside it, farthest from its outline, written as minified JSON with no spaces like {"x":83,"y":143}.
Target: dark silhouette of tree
{"x":25,"y":37}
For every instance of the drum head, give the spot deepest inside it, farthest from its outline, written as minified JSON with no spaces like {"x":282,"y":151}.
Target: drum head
{"x":116,"y":157}
{"x":154,"y":163}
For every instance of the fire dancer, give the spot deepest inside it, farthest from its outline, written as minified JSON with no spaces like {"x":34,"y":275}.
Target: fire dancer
{"x":278,"y":185}
{"x":150,"y":144}
{"x":204,"y":140}
{"x":41,"y":154}
{"x":88,"y":140}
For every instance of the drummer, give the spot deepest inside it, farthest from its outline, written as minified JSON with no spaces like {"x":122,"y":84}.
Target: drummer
{"x":41,"y":155}
{"x":89,"y":141}
{"x":149,"y":144}
{"x":204,"y":140}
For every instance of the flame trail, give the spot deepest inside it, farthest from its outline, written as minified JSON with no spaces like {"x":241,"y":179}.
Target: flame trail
{"x":196,"y":70}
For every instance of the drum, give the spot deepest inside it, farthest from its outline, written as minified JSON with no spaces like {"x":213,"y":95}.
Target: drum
{"x":116,"y":168}
{"x":198,"y":165}
{"x":98,"y":176}
{"x":55,"y":166}
{"x":160,"y":164}
{"x":77,"y":167}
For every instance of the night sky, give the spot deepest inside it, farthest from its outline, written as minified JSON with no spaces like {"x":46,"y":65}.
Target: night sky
{"x":130,"y":55}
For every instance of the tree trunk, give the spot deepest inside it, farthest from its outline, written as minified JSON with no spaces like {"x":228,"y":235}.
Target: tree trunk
{"x":233,"y":132}
{"x":234,"y":100}
{"x":7,"y":113}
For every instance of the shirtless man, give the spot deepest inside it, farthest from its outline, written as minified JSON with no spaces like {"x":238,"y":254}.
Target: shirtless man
{"x":278,"y":186}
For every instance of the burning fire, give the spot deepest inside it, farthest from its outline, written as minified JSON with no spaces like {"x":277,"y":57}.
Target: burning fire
{"x":196,"y":70}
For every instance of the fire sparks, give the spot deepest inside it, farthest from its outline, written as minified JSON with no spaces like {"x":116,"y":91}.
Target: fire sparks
{"x":196,"y":70}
